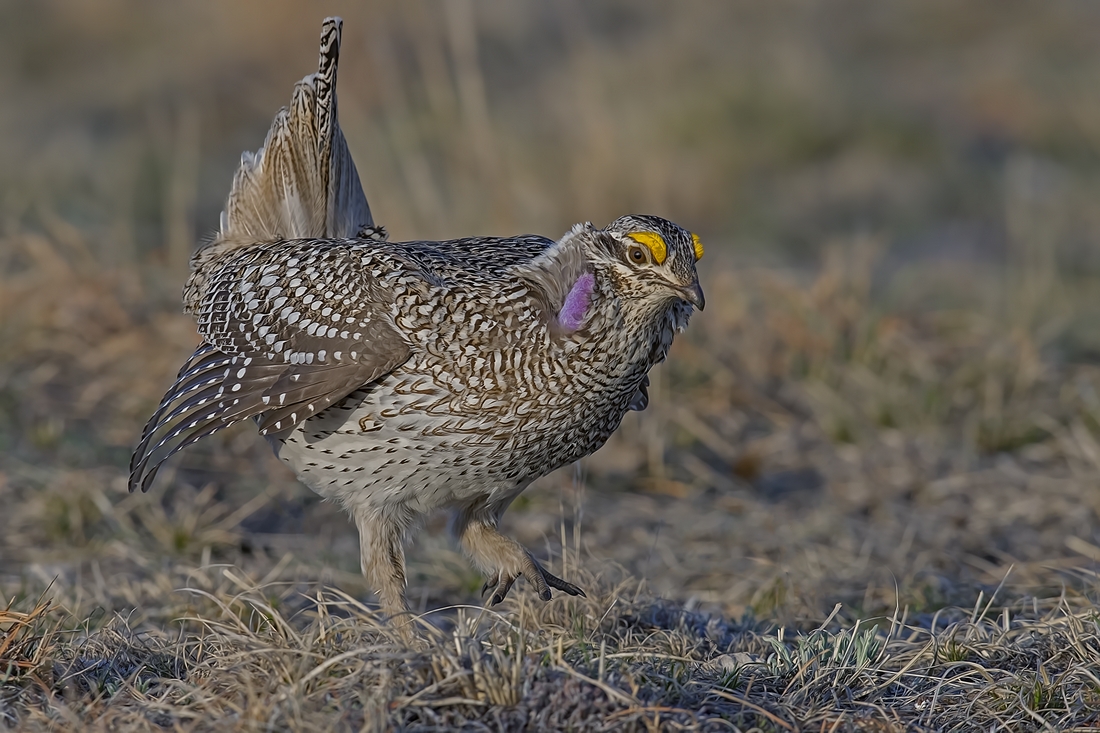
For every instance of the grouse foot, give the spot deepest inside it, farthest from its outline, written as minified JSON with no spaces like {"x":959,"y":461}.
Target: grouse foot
{"x":540,"y":579}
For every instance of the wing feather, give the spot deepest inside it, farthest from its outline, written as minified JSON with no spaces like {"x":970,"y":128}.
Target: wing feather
{"x":190,"y":411}
{"x":289,"y":327}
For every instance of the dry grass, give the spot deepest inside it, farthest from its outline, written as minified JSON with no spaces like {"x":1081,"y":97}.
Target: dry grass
{"x":863,"y":496}
{"x":283,"y":655}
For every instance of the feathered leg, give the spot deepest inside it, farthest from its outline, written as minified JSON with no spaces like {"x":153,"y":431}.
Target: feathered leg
{"x":502,"y":558}
{"x":382,"y":556}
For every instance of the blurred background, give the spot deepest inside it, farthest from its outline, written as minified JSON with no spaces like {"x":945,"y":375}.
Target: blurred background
{"x":892,"y":398}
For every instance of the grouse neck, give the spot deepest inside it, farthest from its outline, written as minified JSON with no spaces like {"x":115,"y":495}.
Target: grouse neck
{"x":562,"y":279}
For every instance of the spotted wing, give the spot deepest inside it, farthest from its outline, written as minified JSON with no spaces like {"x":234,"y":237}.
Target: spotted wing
{"x":289,"y":328}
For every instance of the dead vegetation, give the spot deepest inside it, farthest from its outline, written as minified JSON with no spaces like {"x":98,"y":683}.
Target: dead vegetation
{"x":864,"y":496}
{"x":290,"y":655}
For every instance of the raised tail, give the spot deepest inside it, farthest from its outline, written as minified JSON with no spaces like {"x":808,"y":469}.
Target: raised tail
{"x":301,"y":184}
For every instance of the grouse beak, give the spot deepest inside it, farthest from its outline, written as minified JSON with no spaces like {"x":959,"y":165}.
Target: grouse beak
{"x":694,"y":294}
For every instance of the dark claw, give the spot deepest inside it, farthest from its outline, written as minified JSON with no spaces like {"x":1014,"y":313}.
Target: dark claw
{"x":555,"y":582}
{"x":501,"y":590}
{"x":534,"y":574}
{"x":492,"y":582}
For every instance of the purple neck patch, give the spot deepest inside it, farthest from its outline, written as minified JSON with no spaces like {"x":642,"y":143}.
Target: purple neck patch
{"x":576,"y":303}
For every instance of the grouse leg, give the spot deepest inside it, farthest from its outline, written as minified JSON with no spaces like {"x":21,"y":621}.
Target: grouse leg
{"x":382,"y":556}
{"x":505,"y":559}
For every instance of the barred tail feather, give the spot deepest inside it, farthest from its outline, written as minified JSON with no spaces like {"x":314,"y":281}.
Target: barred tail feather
{"x":302,"y":183}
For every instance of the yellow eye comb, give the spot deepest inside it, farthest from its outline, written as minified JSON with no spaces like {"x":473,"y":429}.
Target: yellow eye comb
{"x":698,"y":246}
{"x":654,"y":242}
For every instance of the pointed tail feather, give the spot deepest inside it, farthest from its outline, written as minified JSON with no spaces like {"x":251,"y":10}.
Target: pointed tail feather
{"x":302,"y":183}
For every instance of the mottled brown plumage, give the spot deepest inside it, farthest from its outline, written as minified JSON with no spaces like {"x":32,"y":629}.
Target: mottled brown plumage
{"x":404,"y":377}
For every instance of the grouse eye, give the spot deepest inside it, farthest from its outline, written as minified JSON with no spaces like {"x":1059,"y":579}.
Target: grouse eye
{"x":636,"y":255}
